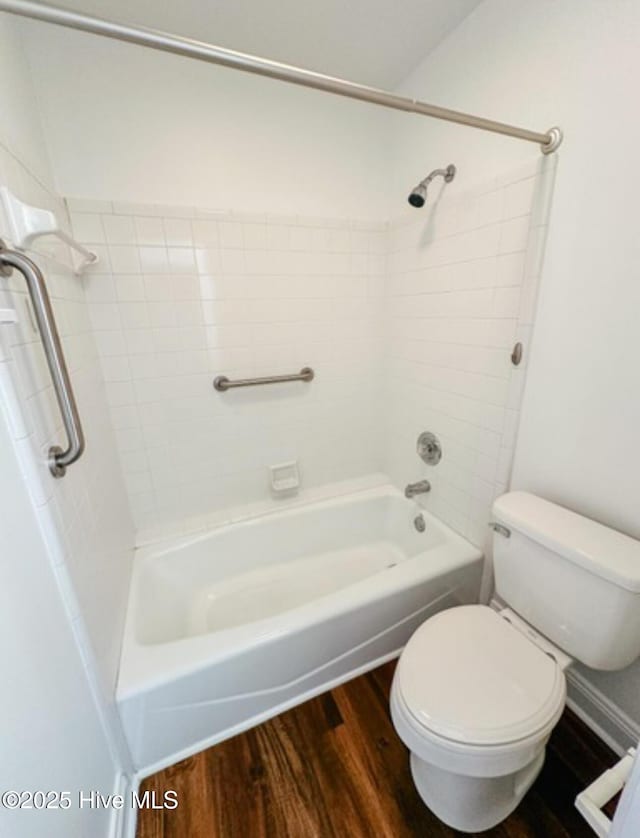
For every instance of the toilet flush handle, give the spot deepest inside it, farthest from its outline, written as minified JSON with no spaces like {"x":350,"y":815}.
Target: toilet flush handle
{"x":504,"y":531}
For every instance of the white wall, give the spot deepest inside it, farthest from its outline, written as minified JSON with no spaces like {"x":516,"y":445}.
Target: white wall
{"x":84,"y":517}
{"x":462,"y":285}
{"x":182,"y":296}
{"x":59,"y":727}
{"x":22,"y":134}
{"x":283,"y":283}
{"x":51,"y":731}
{"x":154,"y":128}
{"x":572,"y":63}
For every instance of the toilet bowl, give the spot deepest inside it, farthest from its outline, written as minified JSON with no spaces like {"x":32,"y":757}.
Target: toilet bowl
{"x":475,"y":701}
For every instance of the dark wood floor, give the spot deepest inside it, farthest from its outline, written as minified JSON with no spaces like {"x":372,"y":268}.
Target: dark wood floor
{"x":334,"y":768}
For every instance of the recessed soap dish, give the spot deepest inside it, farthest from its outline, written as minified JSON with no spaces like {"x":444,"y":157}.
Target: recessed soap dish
{"x":285,"y":478}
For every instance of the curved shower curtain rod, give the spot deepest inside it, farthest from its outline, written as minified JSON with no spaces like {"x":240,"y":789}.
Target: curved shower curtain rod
{"x":165,"y":42}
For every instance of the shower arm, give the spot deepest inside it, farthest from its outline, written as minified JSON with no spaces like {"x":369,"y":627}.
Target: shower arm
{"x":448,"y":175}
{"x":201,"y":51}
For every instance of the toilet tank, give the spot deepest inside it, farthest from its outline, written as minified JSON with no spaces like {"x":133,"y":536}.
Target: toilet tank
{"x":576,"y":581}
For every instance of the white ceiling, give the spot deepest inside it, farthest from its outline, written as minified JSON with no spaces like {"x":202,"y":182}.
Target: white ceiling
{"x":375,"y":42}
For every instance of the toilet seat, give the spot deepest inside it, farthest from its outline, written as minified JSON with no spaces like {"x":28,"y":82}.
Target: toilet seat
{"x":460,"y":757}
{"x":468,"y":681}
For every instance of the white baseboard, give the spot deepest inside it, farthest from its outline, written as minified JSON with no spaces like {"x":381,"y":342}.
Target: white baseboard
{"x":123,"y":821}
{"x":604,"y":717}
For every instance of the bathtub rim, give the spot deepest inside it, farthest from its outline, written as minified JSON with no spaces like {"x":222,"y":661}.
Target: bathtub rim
{"x":148,"y":666}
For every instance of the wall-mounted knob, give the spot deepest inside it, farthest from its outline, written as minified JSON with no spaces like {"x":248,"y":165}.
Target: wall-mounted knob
{"x":516,"y":355}
{"x":429,"y":448}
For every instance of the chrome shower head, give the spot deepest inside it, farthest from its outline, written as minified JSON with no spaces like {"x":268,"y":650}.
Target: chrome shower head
{"x":418,"y":196}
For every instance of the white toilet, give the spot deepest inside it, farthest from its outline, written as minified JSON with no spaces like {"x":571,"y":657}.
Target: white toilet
{"x":479,"y":689}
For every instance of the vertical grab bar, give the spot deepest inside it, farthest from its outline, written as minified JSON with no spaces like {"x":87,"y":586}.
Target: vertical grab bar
{"x":58,"y":459}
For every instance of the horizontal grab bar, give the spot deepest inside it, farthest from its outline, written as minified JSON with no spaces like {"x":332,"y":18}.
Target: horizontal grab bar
{"x":222,"y":383}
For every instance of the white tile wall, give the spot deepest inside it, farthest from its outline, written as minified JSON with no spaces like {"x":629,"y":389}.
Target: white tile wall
{"x":182,"y":295}
{"x":461,"y":290}
{"x":409,"y":327}
{"x":84,"y":516}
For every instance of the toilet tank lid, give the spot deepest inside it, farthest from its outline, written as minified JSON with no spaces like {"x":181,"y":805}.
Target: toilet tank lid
{"x":598,"y":549}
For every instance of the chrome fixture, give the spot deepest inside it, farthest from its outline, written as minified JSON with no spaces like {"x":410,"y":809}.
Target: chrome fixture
{"x":212,"y":54}
{"x":58,"y":459}
{"x":222,"y":383}
{"x":419,"y":523}
{"x":419,"y":488}
{"x":429,"y":448}
{"x":418,"y":195}
{"x":504,"y":531}
{"x":516,"y":355}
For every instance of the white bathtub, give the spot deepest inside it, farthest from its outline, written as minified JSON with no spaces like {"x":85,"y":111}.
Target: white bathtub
{"x":228,"y":628}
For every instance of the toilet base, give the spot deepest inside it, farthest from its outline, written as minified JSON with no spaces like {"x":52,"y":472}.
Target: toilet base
{"x":472,"y":804}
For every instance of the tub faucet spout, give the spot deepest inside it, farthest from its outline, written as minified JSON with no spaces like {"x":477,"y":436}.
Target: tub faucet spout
{"x":419,"y":488}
